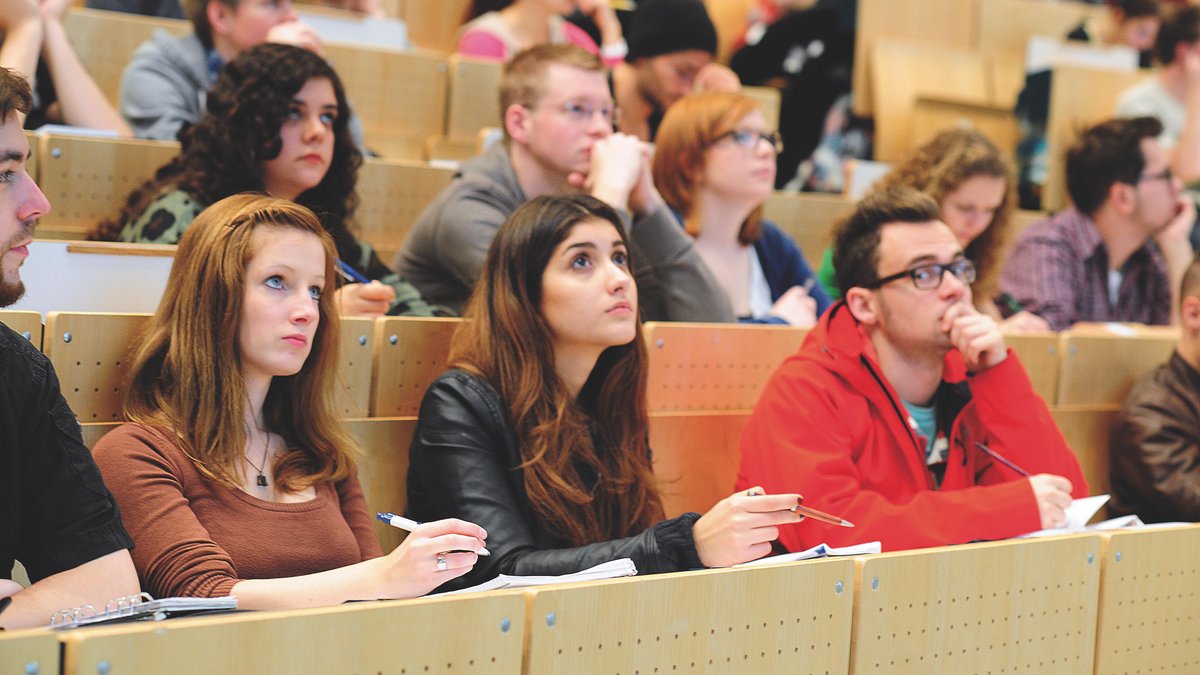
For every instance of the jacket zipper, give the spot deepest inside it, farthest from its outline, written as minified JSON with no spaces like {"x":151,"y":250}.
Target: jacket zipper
{"x":903,"y":421}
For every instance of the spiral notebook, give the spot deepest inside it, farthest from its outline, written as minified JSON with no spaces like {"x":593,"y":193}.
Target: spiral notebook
{"x":140,"y":607}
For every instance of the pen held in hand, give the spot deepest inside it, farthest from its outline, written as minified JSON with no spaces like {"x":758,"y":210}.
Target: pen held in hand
{"x":821,"y":516}
{"x":1001,"y":458}
{"x":408,"y":525}
{"x":809,"y":512}
{"x":350,"y":274}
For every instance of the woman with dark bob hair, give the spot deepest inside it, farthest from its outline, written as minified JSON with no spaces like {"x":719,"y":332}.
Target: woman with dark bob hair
{"x":539,"y":431}
{"x":233,"y":475}
{"x":276,"y":122}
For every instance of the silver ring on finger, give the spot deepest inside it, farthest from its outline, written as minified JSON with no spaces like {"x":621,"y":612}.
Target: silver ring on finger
{"x":441,"y":562}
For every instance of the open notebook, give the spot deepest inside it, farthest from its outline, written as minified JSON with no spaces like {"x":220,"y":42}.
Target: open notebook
{"x":141,"y":607}
{"x":622,"y":567}
{"x":819,"y":551}
{"x":1079,"y":513}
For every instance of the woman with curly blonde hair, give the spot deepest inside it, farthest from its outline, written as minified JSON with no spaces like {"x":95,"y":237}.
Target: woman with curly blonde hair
{"x":975,"y":187}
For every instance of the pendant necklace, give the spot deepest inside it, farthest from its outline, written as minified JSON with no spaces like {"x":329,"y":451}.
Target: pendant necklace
{"x":261,"y":480}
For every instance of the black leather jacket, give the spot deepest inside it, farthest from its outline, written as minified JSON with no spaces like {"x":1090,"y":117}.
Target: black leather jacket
{"x":464,"y":464}
{"x":1155,"y":449}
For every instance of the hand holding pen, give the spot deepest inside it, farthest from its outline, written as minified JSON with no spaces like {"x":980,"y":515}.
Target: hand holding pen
{"x":362,"y":297}
{"x":741,"y":527}
{"x":410,"y":525}
{"x":1052,"y":493}
{"x":432,"y":554}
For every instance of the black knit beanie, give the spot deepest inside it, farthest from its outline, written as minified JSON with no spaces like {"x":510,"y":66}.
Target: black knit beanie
{"x":667,"y":26}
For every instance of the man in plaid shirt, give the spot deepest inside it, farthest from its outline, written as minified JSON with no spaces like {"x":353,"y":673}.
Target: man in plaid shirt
{"x":1120,"y":252}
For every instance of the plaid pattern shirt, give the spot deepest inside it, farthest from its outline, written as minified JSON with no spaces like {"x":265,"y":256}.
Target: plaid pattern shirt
{"x":1058,"y":269}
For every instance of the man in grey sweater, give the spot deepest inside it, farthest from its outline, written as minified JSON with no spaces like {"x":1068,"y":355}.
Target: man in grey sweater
{"x":558,"y":137}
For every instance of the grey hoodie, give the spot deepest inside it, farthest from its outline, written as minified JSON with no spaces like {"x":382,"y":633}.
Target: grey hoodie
{"x":165,"y":85}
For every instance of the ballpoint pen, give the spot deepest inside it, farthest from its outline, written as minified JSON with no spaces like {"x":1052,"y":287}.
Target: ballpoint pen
{"x":1001,"y":458}
{"x":810,"y":512}
{"x":821,"y":516}
{"x":408,"y":525}
{"x":350,"y":273}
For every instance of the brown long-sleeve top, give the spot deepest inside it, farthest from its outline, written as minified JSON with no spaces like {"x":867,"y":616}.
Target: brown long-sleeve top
{"x":193,"y":537}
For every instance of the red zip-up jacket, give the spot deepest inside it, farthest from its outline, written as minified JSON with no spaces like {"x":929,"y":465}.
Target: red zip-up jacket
{"x":829,"y":426}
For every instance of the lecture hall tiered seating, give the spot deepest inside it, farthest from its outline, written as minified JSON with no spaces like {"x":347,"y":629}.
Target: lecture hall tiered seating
{"x":1092,"y":603}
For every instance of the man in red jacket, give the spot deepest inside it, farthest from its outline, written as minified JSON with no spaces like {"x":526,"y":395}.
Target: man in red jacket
{"x":903,"y":412}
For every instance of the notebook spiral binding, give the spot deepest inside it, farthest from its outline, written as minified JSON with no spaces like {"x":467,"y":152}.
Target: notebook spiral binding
{"x":117,"y":608}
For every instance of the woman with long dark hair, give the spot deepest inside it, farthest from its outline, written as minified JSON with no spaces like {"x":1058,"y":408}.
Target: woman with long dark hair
{"x":539,"y":431}
{"x":276,"y":122}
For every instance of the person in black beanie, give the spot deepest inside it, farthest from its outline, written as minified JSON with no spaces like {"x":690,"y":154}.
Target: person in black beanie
{"x":671,"y":49}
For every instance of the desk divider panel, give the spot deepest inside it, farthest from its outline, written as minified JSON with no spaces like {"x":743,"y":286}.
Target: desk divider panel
{"x":352,"y":395}
{"x":89,"y":179}
{"x":410,"y":353}
{"x":789,"y":618}
{"x":91,"y":352}
{"x":105,"y":42}
{"x":478,"y":634}
{"x":396,"y":119}
{"x":1150,"y":602}
{"x":33,"y":652}
{"x":1011,"y":607}
{"x":696,"y":457}
{"x":809,"y":219}
{"x":25,"y":323}
{"x":393,"y":194}
{"x":710,"y":366}
{"x":474,"y":95}
{"x":1087,"y":430}
{"x":1039,"y":354}
{"x":1097,"y":367}
{"x":383,"y":469}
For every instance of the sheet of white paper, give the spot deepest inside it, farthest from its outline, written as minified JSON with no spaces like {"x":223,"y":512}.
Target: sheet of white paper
{"x":621,"y":567}
{"x":1078,"y":514}
{"x":819,"y":551}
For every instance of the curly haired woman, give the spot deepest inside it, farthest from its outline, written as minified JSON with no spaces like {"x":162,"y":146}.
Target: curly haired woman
{"x":276,"y":123}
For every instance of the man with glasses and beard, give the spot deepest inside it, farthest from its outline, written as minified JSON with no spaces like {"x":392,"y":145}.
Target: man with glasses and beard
{"x":903,"y":412}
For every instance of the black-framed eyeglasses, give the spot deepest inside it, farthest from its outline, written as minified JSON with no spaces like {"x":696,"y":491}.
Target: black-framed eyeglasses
{"x":1166,"y":174}
{"x":928,"y":277}
{"x":749,"y":138}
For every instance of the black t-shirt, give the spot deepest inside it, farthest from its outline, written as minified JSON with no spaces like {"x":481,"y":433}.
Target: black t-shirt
{"x":55,"y":512}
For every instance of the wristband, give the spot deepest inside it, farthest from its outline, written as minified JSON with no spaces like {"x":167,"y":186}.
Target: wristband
{"x":615,"y":51}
